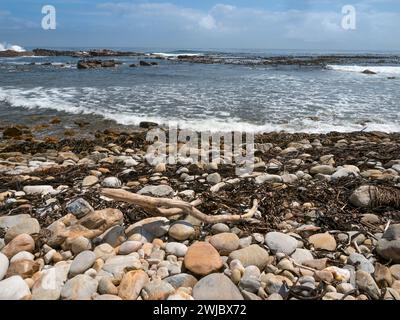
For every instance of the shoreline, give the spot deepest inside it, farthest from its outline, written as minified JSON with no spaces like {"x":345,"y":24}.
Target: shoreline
{"x":311,"y":228}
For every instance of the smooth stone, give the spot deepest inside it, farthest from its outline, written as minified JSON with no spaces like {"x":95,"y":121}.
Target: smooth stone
{"x":176,"y":248}
{"x":89,"y":181}
{"x":129,"y":246}
{"x":216,"y":286}
{"x":324,"y":241}
{"x":114,"y":236}
{"x":104,"y":251}
{"x":7,"y":222}
{"x":23,"y":255}
{"x":28,"y":226}
{"x":276,"y":284}
{"x":322,"y":169}
{"x":82,"y":262}
{"x":106,"y":286}
{"x":81,"y":287}
{"x":157,"y":290}
{"x":250,"y":280}
{"x":202,"y":259}
{"x":79,"y":207}
{"x":14,"y":288}
{"x":280,"y":242}
{"x":361,"y":197}
{"x":22,"y":242}
{"x":38,"y":190}
{"x":388,"y":246}
{"x":302,"y":255}
{"x":181,"y":230}
{"x":214,"y":178}
{"x":155,"y":227}
{"x":219,"y":228}
{"x":182,"y":280}
{"x":132,"y":284}
{"x":80,"y":244}
{"x":261,"y":179}
{"x":116,"y":265}
{"x":49,"y":285}
{"x":107,"y":297}
{"x":225,"y":242}
{"x":252,"y":255}
{"x":111,"y":182}
{"x":366,"y":283}
{"x":360,"y":262}
{"x":395,"y":271}
{"x":4,"y":263}
{"x":23,"y":268}
{"x":163,"y":191}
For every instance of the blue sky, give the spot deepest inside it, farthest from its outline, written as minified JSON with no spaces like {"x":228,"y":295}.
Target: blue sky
{"x":261,"y":24}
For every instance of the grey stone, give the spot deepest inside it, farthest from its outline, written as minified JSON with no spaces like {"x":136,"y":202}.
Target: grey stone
{"x":4,"y":263}
{"x":361,"y":263}
{"x":129,"y":247}
{"x":388,"y":246}
{"x":111,"y":182}
{"x":219,"y":228}
{"x":214,"y":178}
{"x":13,"y":288}
{"x":82,"y":262}
{"x":114,"y":236}
{"x":280,"y":242}
{"x":216,"y":286}
{"x":176,"y":248}
{"x":79,"y":207}
{"x":302,"y":255}
{"x":252,"y":255}
{"x":366,"y":283}
{"x":117,"y":264}
{"x":182,"y":280}
{"x":157,"y":290}
{"x":157,"y":191}
{"x":81,"y":287}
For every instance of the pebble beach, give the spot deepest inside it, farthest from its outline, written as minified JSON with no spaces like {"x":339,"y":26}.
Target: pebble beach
{"x":326,"y":225}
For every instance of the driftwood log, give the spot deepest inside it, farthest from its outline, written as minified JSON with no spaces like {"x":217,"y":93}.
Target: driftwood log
{"x":166,"y":207}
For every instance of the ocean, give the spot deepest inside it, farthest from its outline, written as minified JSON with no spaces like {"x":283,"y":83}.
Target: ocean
{"x":218,"y":97}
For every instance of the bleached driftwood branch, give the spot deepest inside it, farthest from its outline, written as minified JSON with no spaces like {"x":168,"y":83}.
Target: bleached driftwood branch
{"x":169,"y":207}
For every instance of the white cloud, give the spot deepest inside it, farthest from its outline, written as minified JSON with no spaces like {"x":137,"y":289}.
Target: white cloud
{"x":208,"y":22}
{"x":240,"y":26}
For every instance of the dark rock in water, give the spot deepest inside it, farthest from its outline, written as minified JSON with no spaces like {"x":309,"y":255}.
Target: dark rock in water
{"x":147,"y":124}
{"x":108,"y":64}
{"x":81,"y":123}
{"x":391,"y":78}
{"x":46,"y":64}
{"x":92,"y":53}
{"x":12,"y":53}
{"x":368,"y":72}
{"x":154,"y":63}
{"x":144,"y":63}
{"x":92,"y":64}
{"x":132,"y":65}
{"x":12,"y":132}
{"x":31,"y":64}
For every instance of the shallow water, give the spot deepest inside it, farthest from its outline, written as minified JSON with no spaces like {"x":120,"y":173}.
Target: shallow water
{"x":207,"y":97}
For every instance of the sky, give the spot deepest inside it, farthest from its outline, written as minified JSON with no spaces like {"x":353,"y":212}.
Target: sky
{"x":205,"y":24}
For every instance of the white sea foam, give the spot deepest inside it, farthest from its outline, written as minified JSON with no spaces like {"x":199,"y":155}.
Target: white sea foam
{"x":176,"y":55}
{"x":96,"y":101}
{"x":359,"y":69}
{"x":6,"y":46}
